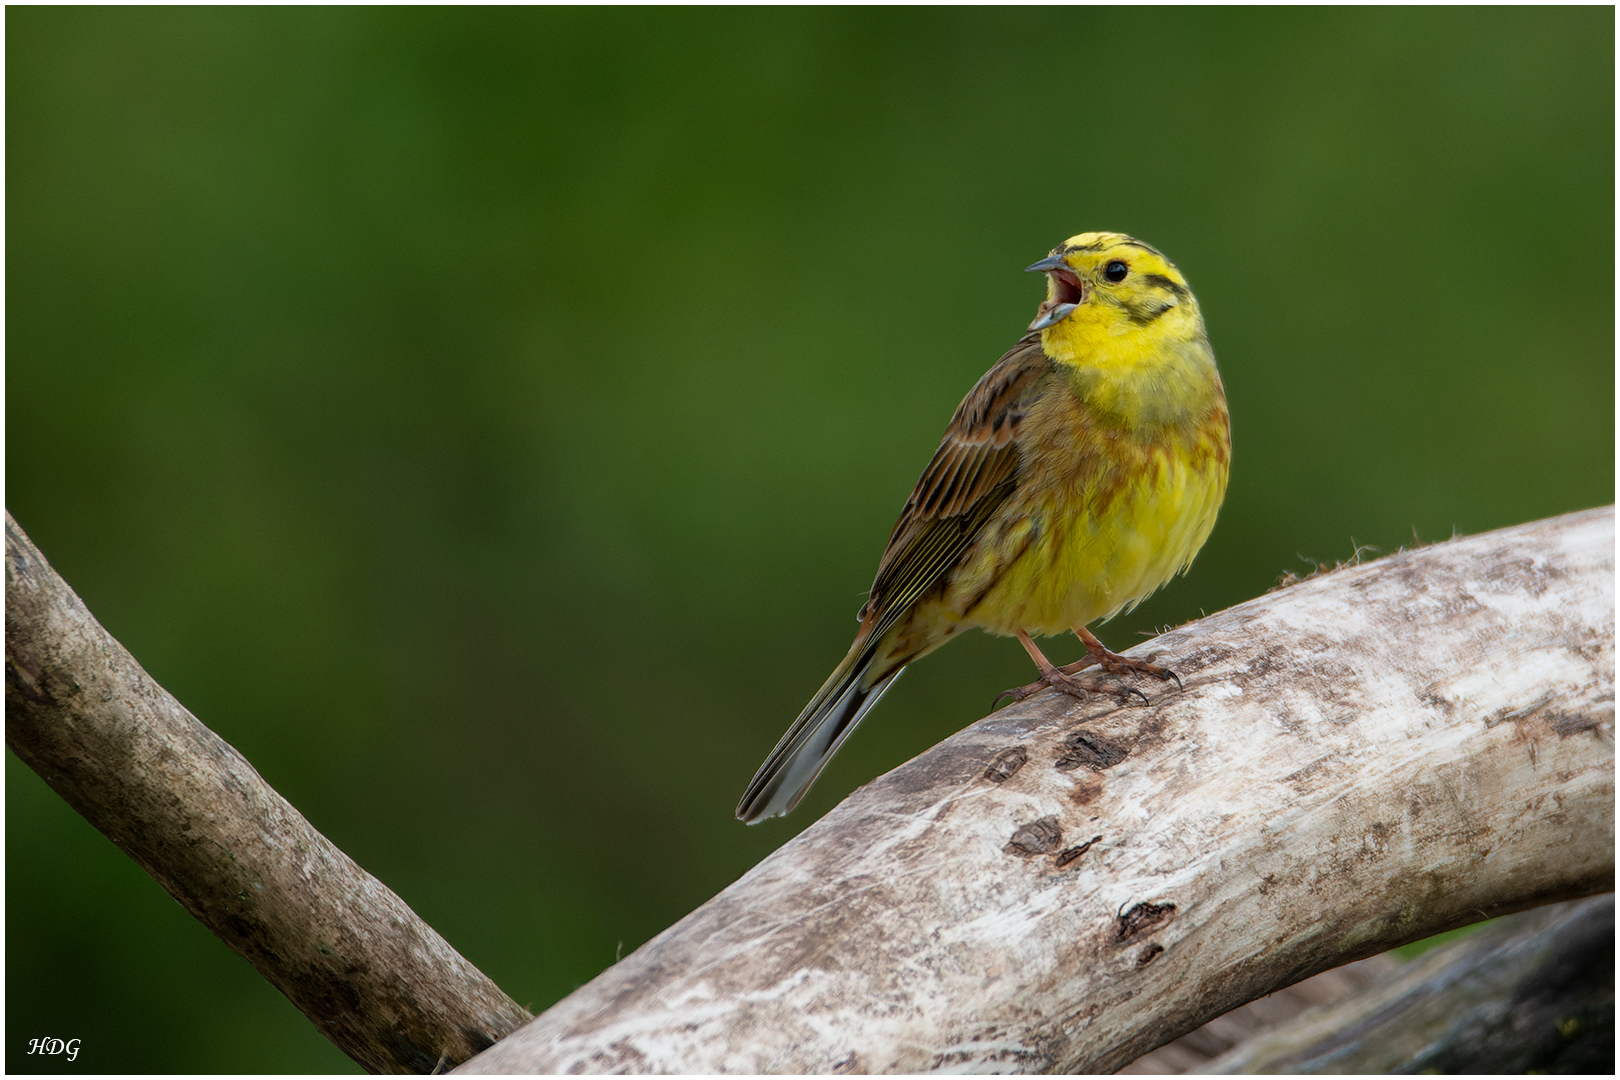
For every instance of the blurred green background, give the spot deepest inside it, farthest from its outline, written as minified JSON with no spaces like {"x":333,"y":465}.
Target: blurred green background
{"x":489,"y":420}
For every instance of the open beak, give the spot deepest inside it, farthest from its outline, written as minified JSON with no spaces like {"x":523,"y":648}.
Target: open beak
{"x":1069,"y":292}
{"x":1048,"y":264}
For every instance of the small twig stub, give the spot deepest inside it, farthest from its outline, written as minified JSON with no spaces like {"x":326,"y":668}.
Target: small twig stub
{"x":1004,"y":765}
{"x":1036,"y":838}
{"x":1093,"y":751}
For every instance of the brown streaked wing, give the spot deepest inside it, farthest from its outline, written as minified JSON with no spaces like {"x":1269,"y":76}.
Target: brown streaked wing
{"x":970,"y":476}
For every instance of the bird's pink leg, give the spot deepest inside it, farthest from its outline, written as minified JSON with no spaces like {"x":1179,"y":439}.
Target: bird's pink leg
{"x":1099,"y":654}
{"x":1060,"y":679}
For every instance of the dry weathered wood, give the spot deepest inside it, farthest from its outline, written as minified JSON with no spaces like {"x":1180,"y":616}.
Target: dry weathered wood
{"x":374,"y":978}
{"x":1358,"y":761}
{"x":1532,"y":993}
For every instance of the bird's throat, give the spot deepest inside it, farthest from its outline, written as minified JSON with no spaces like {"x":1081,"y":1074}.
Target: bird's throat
{"x":1138,"y":378}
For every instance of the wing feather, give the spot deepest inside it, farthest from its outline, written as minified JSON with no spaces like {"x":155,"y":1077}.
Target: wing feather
{"x":969,"y":477}
{"x":966,"y":483}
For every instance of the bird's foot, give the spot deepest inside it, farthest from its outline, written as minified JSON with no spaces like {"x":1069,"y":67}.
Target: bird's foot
{"x":1100,"y":655}
{"x":1064,"y":682}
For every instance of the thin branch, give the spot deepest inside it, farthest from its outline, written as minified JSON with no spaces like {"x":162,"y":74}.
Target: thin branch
{"x":374,"y":978}
{"x":1358,"y":761}
{"x":1532,"y":993}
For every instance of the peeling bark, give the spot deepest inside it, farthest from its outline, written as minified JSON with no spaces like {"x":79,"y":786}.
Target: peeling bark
{"x":179,"y":800}
{"x":1358,"y":761}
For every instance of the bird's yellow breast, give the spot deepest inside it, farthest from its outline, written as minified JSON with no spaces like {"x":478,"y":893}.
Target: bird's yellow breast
{"x":1122,"y":470}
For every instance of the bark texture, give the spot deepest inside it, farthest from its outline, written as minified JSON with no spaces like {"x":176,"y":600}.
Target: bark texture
{"x":1532,"y":993}
{"x":1358,"y":761}
{"x":374,"y":978}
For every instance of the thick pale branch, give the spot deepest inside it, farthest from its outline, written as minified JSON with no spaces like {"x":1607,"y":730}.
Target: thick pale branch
{"x":374,"y":978}
{"x":1358,"y":761}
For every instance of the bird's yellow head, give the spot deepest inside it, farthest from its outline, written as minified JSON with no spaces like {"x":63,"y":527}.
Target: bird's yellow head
{"x":1111,"y":298}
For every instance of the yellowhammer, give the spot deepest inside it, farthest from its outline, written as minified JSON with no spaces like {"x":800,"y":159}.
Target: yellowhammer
{"x":1080,"y":474}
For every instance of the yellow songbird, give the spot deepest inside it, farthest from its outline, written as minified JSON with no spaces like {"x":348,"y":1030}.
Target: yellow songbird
{"x":1082,"y":472}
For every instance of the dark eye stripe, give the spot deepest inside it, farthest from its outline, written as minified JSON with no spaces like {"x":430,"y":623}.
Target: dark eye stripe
{"x":1141,"y":316}
{"x":1165,"y":283}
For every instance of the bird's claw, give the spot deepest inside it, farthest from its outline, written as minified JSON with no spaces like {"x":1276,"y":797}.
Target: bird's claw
{"x":1064,"y":683}
{"x":1115,"y":664}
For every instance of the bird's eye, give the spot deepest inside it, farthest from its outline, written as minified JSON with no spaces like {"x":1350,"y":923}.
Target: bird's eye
{"x":1116,"y":271}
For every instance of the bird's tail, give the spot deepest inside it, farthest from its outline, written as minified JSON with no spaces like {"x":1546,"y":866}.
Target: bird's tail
{"x":816,"y":735}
